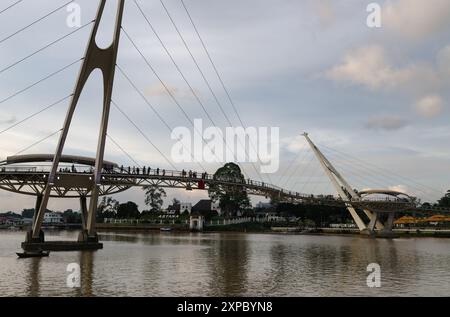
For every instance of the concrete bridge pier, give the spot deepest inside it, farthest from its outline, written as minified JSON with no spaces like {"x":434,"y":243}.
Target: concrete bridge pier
{"x":37,"y":243}
{"x":387,"y":232}
{"x":29,"y":236}
{"x":84,"y":235}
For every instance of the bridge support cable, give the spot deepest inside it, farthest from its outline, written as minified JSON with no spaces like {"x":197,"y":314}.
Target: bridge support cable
{"x":45,"y":47}
{"x":10,"y":6}
{"x":360,"y":176}
{"x":219,"y":77}
{"x":143,"y":134}
{"x":340,"y":184}
{"x":380,"y":171}
{"x":149,"y":104}
{"x":123,"y":150}
{"x":157,"y":113}
{"x":39,"y":81}
{"x":208,"y":85}
{"x":38,"y":142}
{"x":297,"y":168}
{"x":309,"y":176}
{"x":354,"y":166}
{"x":382,"y":175}
{"x":95,"y":58}
{"x":302,"y":166}
{"x":290,"y":165}
{"x":192,"y":90}
{"x":168,"y":91}
{"x":35,"y":114}
{"x":311,"y":179}
{"x":35,"y":22}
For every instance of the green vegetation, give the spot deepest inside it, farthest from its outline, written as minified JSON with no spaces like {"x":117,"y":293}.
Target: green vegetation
{"x":154,"y":197}
{"x":445,"y":201}
{"x":128,"y":210}
{"x":231,"y":198}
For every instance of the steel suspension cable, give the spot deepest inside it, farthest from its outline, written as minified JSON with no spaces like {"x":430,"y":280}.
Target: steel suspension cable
{"x":302,"y":155}
{"x":10,"y":6}
{"x":36,"y":113}
{"x":148,"y":104}
{"x":291,"y":164}
{"x":196,"y":63}
{"x":156,"y":112}
{"x":121,"y":148}
{"x":379,"y":170}
{"x":143,"y":134}
{"x":208,"y":84}
{"x":192,"y":90}
{"x":40,"y":81}
{"x":44,"y":47}
{"x":216,"y":71}
{"x":34,"y":22}
{"x":169,"y":92}
{"x":38,"y":142}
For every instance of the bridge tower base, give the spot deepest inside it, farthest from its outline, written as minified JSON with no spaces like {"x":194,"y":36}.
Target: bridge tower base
{"x":103,"y":59}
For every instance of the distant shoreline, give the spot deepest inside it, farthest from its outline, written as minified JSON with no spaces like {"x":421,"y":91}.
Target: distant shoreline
{"x":248,"y":228}
{"x":253,"y":228}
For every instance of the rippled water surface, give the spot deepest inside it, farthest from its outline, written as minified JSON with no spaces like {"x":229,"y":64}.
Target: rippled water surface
{"x":169,"y":264}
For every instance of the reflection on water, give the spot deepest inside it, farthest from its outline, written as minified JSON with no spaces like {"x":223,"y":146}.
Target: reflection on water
{"x":33,"y":277}
{"x":169,"y":264}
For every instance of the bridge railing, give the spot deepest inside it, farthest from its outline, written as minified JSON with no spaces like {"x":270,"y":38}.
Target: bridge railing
{"x":26,"y":169}
{"x":63,"y":168}
{"x":152,"y":172}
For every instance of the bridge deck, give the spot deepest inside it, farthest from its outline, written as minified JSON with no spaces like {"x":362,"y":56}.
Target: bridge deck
{"x":74,"y":181}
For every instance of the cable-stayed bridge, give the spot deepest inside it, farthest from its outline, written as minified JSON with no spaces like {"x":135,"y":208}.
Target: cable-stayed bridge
{"x":57,"y":175}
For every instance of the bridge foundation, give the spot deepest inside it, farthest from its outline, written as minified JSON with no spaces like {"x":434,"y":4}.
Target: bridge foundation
{"x":60,"y":246}
{"x":39,"y":244}
{"x":386,"y":232}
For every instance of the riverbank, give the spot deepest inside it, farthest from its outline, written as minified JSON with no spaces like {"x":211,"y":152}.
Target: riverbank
{"x":256,"y":227}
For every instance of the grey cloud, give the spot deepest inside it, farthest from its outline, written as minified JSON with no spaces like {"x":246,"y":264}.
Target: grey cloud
{"x":388,"y":123}
{"x":11,"y":120}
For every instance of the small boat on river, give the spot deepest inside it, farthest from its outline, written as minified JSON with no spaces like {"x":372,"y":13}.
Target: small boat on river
{"x":37,"y":254}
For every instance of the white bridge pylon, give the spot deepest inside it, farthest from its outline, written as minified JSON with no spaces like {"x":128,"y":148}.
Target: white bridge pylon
{"x":349,"y":195}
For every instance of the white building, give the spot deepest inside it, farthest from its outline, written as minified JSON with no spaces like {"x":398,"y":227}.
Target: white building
{"x":52,"y":217}
{"x":206,"y":205}
{"x":262,"y":205}
{"x":185,"y":206}
{"x":215,"y":207}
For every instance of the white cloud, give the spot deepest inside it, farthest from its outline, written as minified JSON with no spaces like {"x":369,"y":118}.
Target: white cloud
{"x":388,"y":123}
{"x":416,"y":19}
{"x":295,"y":144}
{"x":369,"y":67}
{"x":325,"y":11}
{"x":159,"y":90}
{"x":429,"y":106}
{"x":11,"y":120}
{"x":400,"y":188}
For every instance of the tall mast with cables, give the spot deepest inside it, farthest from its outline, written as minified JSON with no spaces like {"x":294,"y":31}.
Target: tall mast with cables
{"x":95,"y":58}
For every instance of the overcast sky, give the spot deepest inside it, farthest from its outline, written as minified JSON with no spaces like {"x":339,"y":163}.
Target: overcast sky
{"x":379,"y":95}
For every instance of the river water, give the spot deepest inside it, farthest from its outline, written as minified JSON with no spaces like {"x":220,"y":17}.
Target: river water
{"x":228,"y":264}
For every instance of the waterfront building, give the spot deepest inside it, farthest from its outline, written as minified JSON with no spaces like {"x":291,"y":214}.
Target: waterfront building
{"x":52,"y":218}
{"x":206,"y":206}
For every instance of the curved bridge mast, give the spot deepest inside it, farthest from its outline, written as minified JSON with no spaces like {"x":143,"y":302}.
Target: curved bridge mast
{"x":94,"y":58}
